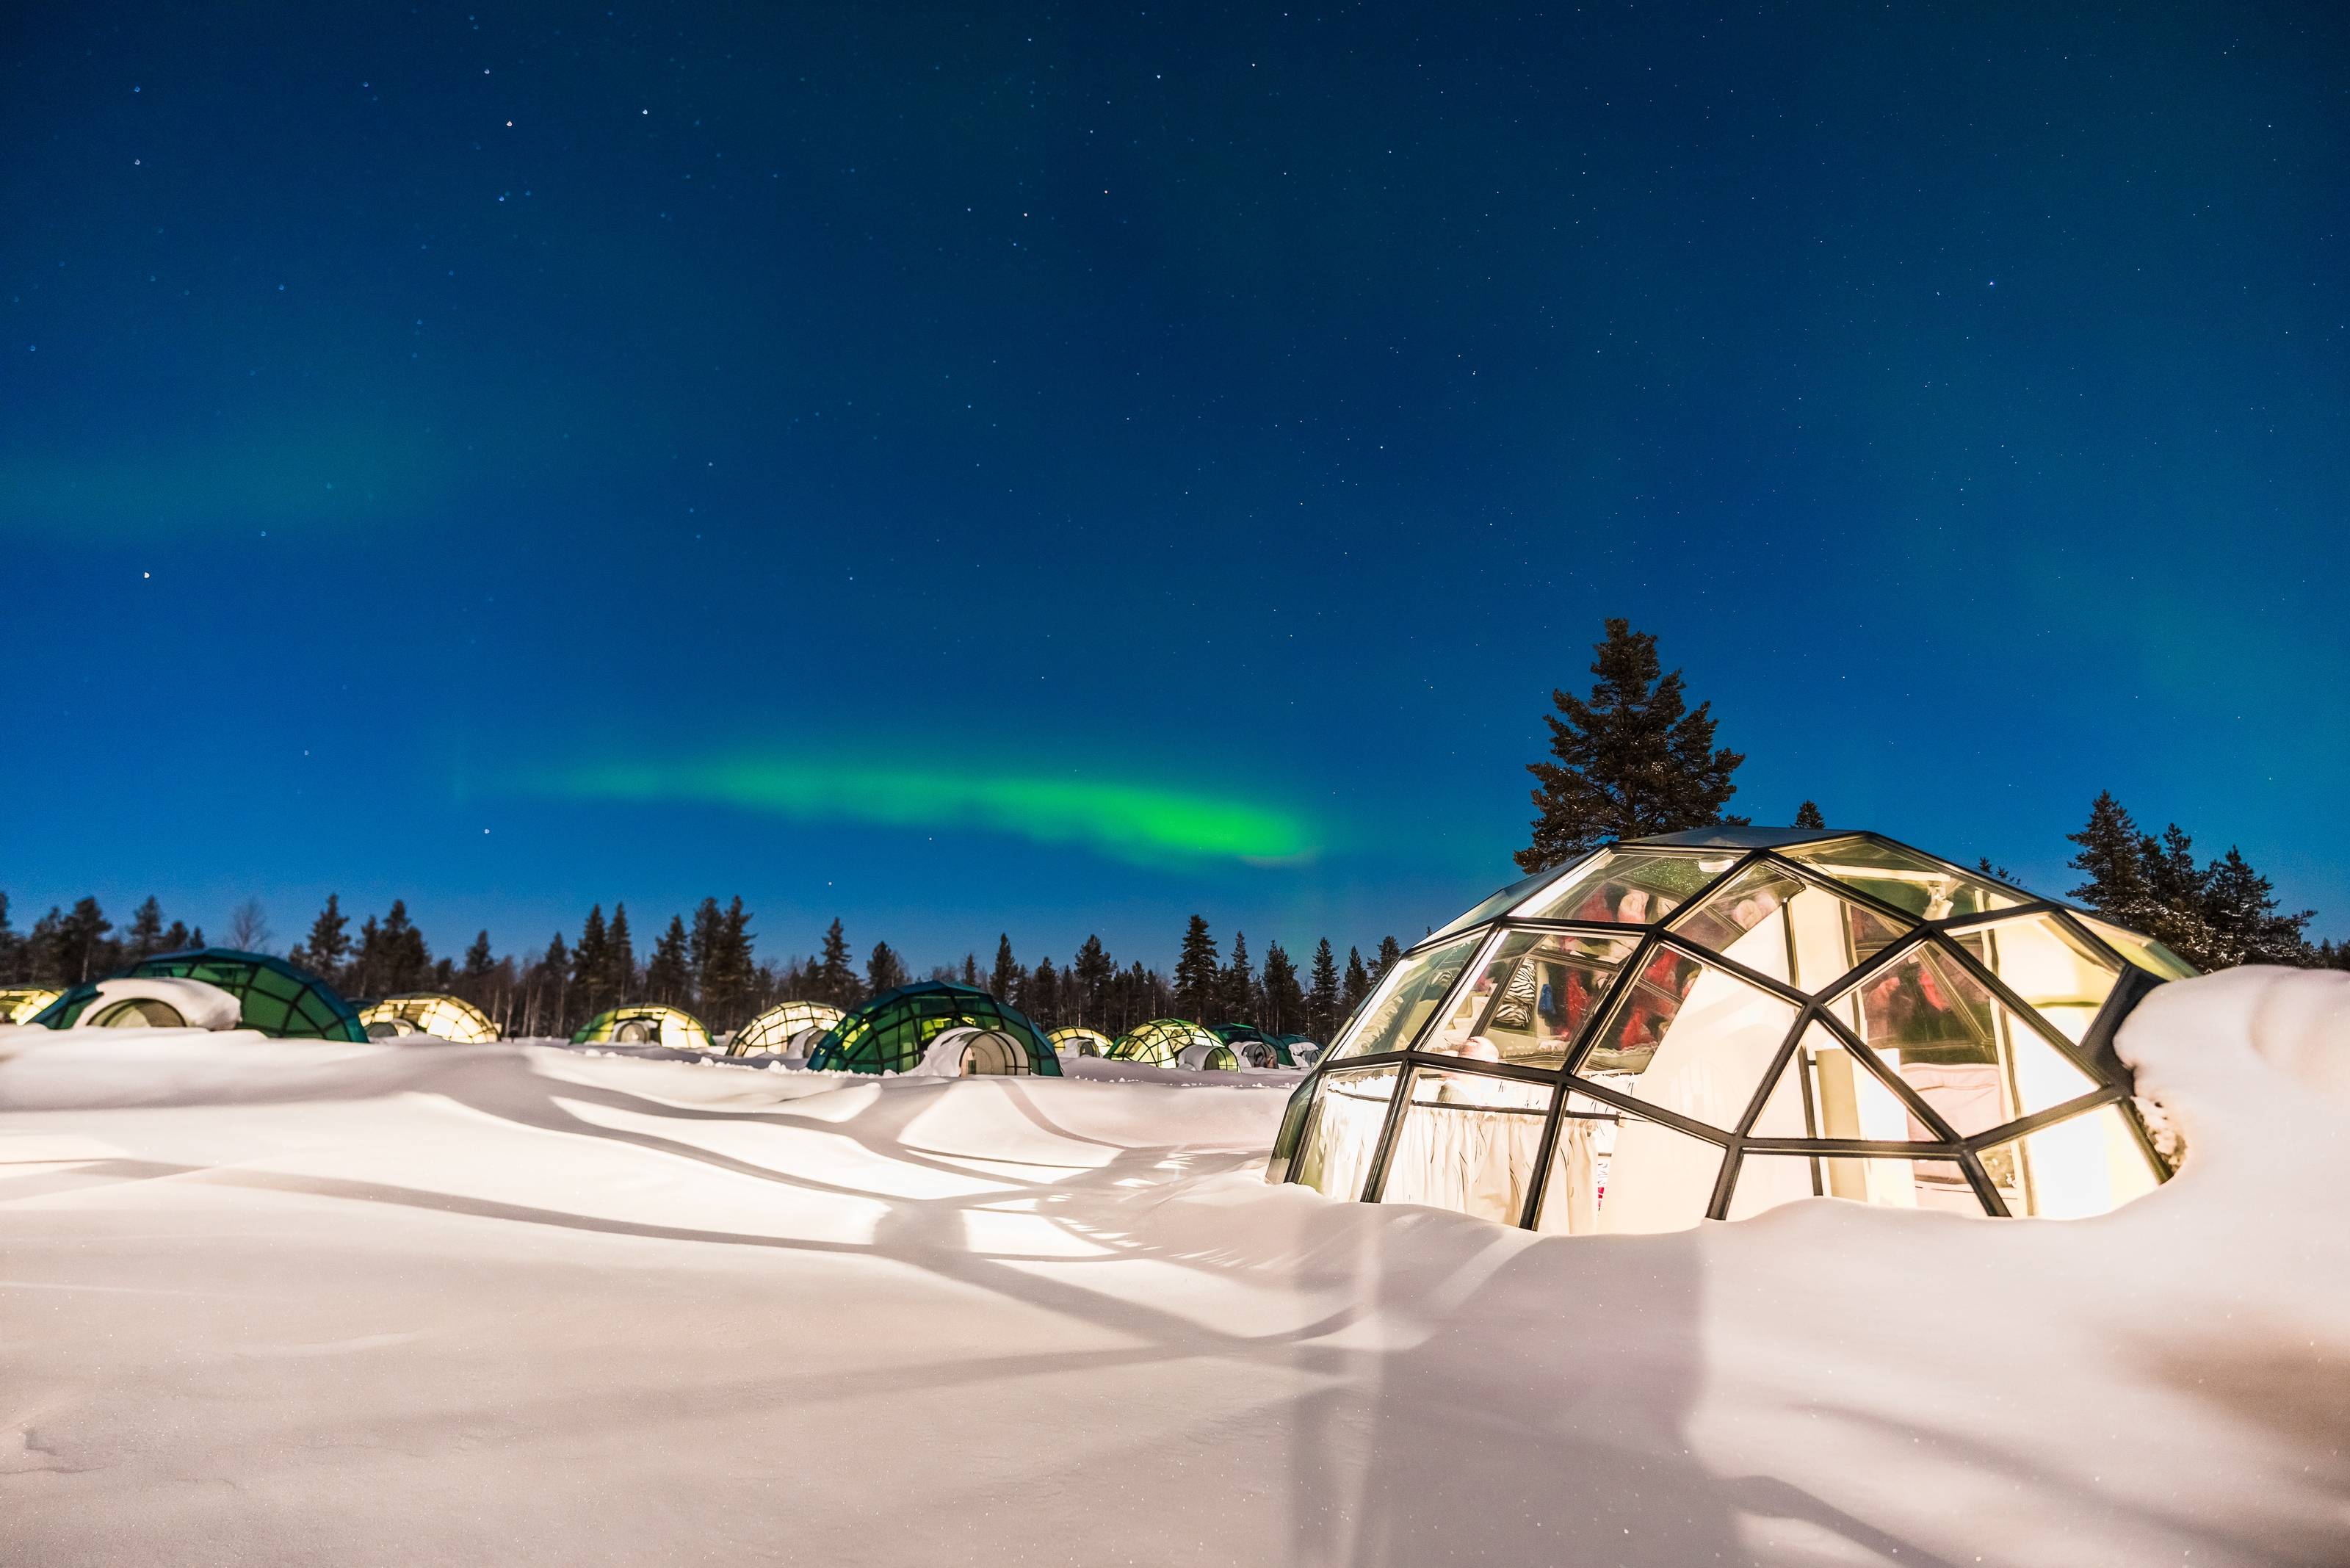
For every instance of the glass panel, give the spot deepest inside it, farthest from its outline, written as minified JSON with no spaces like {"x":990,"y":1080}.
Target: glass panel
{"x":1530,"y":999}
{"x":1690,"y":1038}
{"x":1495,"y":904}
{"x":1767,"y":1180}
{"x":1964,"y":1053}
{"x":1786,"y":928}
{"x":1903,"y":878}
{"x":1629,"y":886}
{"x":1612,"y":1176}
{"x":1468,"y":1143}
{"x":1405,"y":999}
{"x":2090,"y":1165}
{"x":2144,"y":952}
{"x":1825,"y":1092}
{"x":2060,"y":975}
{"x":1349,"y":1109}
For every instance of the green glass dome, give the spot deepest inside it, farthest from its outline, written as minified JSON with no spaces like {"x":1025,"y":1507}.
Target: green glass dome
{"x":774,"y":1030}
{"x":1254,"y":1047}
{"x":889,"y":1033}
{"x":273,"y":996}
{"x":1077,"y":1040}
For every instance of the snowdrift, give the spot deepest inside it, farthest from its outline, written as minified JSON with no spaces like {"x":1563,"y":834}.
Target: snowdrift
{"x":282,"y":1302}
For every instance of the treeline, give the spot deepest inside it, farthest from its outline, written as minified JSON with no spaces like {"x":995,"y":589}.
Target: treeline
{"x":2215,"y":915}
{"x":709,"y":966}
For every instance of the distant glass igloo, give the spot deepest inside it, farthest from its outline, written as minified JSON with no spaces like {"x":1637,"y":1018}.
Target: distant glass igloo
{"x":645,"y":1024}
{"x":1078,"y":1041}
{"x":19,"y":1003}
{"x":891,"y":1033}
{"x":1708,"y":1024}
{"x":272,"y":996}
{"x":1165,"y":1042}
{"x":428,"y":1012}
{"x":780,"y":1029}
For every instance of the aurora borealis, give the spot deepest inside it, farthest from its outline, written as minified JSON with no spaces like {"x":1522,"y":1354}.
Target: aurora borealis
{"x":1001,"y":467}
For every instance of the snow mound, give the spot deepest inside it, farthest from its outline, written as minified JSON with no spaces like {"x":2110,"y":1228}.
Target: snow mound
{"x":282,"y":1302}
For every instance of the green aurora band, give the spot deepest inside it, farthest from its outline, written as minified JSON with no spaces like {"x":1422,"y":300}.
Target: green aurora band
{"x":1133,"y":822}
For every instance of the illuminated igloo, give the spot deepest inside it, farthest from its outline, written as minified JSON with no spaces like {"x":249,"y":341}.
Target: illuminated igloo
{"x":1708,"y":1024}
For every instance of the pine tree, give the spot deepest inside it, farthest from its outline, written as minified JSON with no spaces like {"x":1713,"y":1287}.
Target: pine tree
{"x":83,"y":952}
{"x":669,"y":978}
{"x":1324,"y":1000}
{"x":619,"y":957}
{"x":1240,"y":1004}
{"x":554,"y":979}
{"x":1633,"y":760}
{"x":728,"y":982}
{"x":1391,"y":954}
{"x":2113,"y":864}
{"x":1284,"y":1003}
{"x":1003,"y":981}
{"x":146,"y":933}
{"x":2240,"y":905}
{"x":327,"y":948}
{"x":479,"y":962}
{"x":1198,"y":973}
{"x":1040,"y":999}
{"x":836,"y":980}
{"x":591,"y":959}
{"x":1808,"y":815}
{"x":1093,"y":970}
{"x":885,"y":970}
{"x":1358,"y":984}
{"x":407,"y":965}
{"x":709,"y":923}
{"x":45,"y":951}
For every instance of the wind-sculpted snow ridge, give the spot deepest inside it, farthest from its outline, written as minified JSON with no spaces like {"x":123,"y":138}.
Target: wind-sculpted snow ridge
{"x":268,"y":1301}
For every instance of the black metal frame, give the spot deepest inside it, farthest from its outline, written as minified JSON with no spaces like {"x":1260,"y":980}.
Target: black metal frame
{"x":2094,"y":1054}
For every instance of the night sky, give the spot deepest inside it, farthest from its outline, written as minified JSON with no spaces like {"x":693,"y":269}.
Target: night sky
{"x":971,"y":468}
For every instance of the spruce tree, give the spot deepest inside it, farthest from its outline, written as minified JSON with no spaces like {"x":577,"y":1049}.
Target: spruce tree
{"x":45,"y":958}
{"x":1634,"y":759}
{"x":1040,"y":999}
{"x":1239,"y":992}
{"x":591,"y":960}
{"x":146,"y":933}
{"x":1321,"y":1001}
{"x":728,"y":984}
{"x":1003,"y":981}
{"x":1093,"y":970}
{"x":1391,"y":954}
{"x":2112,"y":865}
{"x":554,"y":979}
{"x":12,"y":948}
{"x":2240,"y":905}
{"x":708,"y":923}
{"x":669,"y":977}
{"x":619,"y":957}
{"x":885,"y":970}
{"x":1284,"y":1003}
{"x":479,"y":961}
{"x":1808,"y":815}
{"x":970,"y":974}
{"x":1357,"y":983}
{"x":407,"y":964}
{"x":1198,"y":973}
{"x":83,"y":952}
{"x":836,"y":979}
{"x":328,"y":949}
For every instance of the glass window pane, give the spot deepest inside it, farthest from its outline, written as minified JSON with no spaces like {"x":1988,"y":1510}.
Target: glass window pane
{"x":1349,"y":1109}
{"x":1468,"y":1143}
{"x":1405,"y":999}
{"x":1826,"y":1092}
{"x":1627,"y":886}
{"x":1903,"y":878}
{"x":1613,"y":1175}
{"x":1965,"y":1054}
{"x":1692,"y":1038}
{"x":1530,"y":999}
{"x":2060,"y":975}
{"x":1787,"y":928}
{"x":2090,"y":1165}
{"x":1495,"y":904}
{"x":2144,"y":952}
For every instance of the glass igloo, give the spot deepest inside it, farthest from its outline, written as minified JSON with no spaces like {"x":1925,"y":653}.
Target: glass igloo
{"x":1080,"y":1041}
{"x":428,"y":1012}
{"x":1162,"y":1042}
{"x":272,"y":996}
{"x":1254,"y":1047}
{"x":891,"y":1033}
{"x":645,"y":1024}
{"x":19,"y":1003}
{"x":1708,"y":1024}
{"x":779,"y":1029}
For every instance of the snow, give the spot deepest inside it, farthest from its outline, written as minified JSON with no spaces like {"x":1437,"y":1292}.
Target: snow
{"x":278,"y":1302}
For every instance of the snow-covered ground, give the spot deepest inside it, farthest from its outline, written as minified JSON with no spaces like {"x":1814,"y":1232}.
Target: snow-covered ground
{"x":276,"y":1302}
